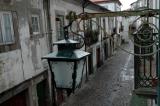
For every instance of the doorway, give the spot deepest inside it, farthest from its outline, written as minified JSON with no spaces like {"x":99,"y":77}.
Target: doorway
{"x":17,"y":100}
{"x":98,"y":56}
{"x":90,"y":63}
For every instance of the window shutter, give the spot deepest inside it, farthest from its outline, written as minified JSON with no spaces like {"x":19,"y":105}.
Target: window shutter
{"x":16,"y":45}
{"x":30,"y":26}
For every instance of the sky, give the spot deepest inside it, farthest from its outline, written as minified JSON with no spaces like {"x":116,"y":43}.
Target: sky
{"x":126,"y":3}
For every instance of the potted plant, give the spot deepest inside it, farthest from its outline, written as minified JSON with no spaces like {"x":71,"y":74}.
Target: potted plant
{"x":91,"y":36}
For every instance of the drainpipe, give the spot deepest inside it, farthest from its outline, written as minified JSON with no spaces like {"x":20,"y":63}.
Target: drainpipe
{"x":50,"y":50}
{"x":49,"y":25}
{"x":159,"y":63}
{"x":85,"y":3}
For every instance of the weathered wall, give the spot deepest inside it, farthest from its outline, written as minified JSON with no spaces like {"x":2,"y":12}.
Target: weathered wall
{"x":156,"y":6}
{"x":24,"y":63}
{"x":125,"y":32}
{"x":65,"y":7}
{"x":19,"y":65}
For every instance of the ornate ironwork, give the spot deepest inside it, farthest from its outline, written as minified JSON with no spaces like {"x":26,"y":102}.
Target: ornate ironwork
{"x":145,"y":42}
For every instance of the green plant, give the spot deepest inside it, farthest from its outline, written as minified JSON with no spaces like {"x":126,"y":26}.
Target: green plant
{"x":91,"y":36}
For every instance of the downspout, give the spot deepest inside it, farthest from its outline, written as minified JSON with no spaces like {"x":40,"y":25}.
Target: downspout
{"x":50,"y":50}
{"x":49,"y":26}
{"x":159,"y":63}
{"x":84,"y":4}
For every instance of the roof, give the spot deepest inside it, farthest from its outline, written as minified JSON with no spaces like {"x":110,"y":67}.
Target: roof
{"x":90,"y":4}
{"x":134,"y":3}
{"x":95,"y":6}
{"x":106,"y":1}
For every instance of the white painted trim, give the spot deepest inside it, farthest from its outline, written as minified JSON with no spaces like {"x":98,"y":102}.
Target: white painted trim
{"x":3,"y":29}
{"x":38,"y":18}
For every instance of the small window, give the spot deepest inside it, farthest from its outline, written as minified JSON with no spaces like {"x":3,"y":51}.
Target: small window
{"x":6,"y":28}
{"x":35,"y":24}
{"x":59,"y":27}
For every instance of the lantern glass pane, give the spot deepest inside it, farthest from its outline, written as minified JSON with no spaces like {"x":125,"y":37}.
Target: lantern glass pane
{"x":79,"y":72}
{"x":63,"y":74}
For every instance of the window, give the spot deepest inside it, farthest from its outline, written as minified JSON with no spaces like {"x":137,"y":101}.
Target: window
{"x":35,"y":24}
{"x":6,"y":28}
{"x":9,"y":33}
{"x":59,"y":27}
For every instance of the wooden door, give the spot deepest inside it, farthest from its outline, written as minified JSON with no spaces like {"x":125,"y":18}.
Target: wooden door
{"x":90,"y":64}
{"x":41,"y":93}
{"x":18,"y":100}
{"x":106,"y":50}
{"x":98,"y":57}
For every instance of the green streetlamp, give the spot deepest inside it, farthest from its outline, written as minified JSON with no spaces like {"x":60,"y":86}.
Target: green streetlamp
{"x":67,"y":63}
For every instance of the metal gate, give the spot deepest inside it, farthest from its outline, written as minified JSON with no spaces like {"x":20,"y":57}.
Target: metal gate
{"x":145,"y":65}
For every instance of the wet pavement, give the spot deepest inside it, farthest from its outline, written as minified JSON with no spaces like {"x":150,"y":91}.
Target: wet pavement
{"x":112,"y":85}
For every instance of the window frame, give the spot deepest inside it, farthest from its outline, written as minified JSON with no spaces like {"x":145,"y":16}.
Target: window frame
{"x":59,"y":29}
{"x":38,"y":20}
{"x":2,"y":27}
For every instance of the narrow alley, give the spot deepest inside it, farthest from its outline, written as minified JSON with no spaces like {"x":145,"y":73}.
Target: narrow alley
{"x":111,"y":86}
{"x":79,"y":53}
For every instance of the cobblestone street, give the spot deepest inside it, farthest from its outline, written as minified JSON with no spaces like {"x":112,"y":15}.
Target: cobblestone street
{"x":79,"y":52}
{"x":111,"y":86}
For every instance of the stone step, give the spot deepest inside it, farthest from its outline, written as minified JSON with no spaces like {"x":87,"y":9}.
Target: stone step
{"x":146,"y":92}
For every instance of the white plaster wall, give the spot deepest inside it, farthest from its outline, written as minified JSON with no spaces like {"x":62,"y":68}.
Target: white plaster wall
{"x":32,"y":49}
{"x":156,"y":6}
{"x":25,"y":63}
{"x":11,"y":69}
{"x":107,"y":26}
{"x":65,"y":7}
{"x":18,"y":65}
{"x":125,"y":23}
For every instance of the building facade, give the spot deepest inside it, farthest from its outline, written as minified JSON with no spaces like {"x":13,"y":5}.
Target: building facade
{"x":115,"y":22}
{"x":27,"y":30}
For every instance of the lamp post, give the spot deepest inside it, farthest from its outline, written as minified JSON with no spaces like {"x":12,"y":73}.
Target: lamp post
{"x":67,"y":63}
